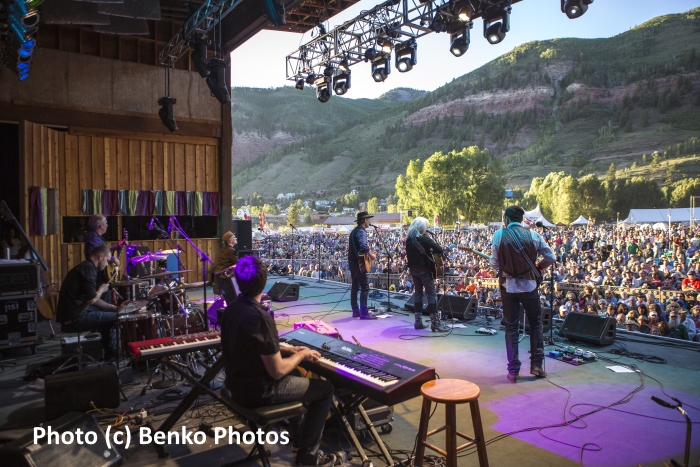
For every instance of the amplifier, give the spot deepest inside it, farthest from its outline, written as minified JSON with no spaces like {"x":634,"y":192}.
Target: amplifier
{"x":18,"y":320}
{"x":76,"y":390}
{"x":18,"y":277}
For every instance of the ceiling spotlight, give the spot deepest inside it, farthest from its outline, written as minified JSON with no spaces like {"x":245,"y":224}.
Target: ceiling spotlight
{"x":311,"y":78}
{"x":344,"y":65}
{"x":406,"y":55}
{"x":437,"y":24}
{"x":460,"y":40}
{"x":328,"y":71}
{"x":496,"y":25}
{"x":371,"y":54}
{"x":323,"y":91}
{"x":463,"y":11}
{"x":217,"y":80}
{"x":199,"y":56}
{"x":575,"y":8}
{"x":386,"y":46}
{"x":166,"y":112}
{"x":381,"y":69}
{"x":300,"y":84}
{"x":342,"y":83}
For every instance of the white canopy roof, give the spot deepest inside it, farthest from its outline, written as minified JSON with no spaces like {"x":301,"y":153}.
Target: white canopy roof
{"x":536,"y":215}
{"x":652,"y":216}
{"x":660,"y":226}
{"x":580,"y":221}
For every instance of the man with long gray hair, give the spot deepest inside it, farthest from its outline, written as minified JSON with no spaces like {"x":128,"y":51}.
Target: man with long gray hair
{"x":420,"y":249}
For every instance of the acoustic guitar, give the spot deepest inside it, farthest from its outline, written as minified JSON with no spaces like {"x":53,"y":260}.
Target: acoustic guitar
{"x":472,"y":250}
{"x":365,"y":263}
{"x":112,"y":269}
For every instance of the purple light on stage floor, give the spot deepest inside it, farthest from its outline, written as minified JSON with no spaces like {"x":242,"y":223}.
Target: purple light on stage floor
{"x":625,"y":439}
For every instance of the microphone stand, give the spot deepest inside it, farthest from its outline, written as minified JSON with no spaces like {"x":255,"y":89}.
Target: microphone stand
{"x":389,"y":308}
{"x":318,"y":256}
{"x":173,"y":245}
{"x":203,"y":258}
{"x":689,"y":426}
{"x":293,"y":229}
{"x":551,"y":295}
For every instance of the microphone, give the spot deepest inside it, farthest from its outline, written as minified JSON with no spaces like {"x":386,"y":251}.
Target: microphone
{"x":292,"y":226}
{"x":372,"y":225}
{"x":150,"y":226}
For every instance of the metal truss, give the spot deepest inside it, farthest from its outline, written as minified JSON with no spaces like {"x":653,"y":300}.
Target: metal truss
{"x":199,"y":24}
{"x":394,"y":20}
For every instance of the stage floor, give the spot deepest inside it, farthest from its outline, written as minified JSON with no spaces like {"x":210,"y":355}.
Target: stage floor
{"x":634,"y":430}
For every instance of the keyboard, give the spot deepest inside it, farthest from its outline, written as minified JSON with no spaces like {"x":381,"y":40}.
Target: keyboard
{"x":167,"y":346}
{"x":387,"y":379}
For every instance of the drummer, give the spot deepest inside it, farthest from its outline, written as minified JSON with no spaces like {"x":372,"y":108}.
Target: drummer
{"x":227,"y":257}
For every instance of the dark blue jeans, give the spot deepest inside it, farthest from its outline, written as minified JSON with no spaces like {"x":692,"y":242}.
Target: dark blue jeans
{"x":511,"y":320}
{"x":318,"y":396}
{"x":94,"y":318}
{"x":359,"y":284}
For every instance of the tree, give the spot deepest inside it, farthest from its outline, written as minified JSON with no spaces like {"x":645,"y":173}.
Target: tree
{"x":645,"y":118}
{"x":467,"y":182}
{"x":270,"y":209}
{"x":373,"y":206}
{"x":682,"y":190}
{"x":293,"y":215}
{"x":592,"y":197}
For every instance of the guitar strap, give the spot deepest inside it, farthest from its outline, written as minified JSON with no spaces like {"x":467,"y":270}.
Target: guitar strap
{"x":519,"y":245}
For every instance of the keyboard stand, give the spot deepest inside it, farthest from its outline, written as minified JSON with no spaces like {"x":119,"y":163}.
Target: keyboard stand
{"x":341,"y":408}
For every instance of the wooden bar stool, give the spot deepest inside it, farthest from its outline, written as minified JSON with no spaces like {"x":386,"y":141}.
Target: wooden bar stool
{"x":450,"y":392}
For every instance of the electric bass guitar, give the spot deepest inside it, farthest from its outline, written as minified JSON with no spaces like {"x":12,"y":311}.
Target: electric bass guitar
{"x":113,"y":269}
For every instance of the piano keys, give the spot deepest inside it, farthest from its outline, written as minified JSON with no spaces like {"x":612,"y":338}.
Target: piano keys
{"x":387,"y":379}
{"x":167,"y":346}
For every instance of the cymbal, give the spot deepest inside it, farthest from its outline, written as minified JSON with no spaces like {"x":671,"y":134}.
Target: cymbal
{"x":148,"y":257}
{"x":165,"y":274}
{"x":130,"y":307}
{"x":168,"y":252}
{"x":128,"y":282}
{"x":192,"y":285}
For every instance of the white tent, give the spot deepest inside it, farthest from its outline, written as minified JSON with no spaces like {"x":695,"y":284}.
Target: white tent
{"x":536,"y":215}
{"x":580,"y":221}
{"x":652,"y":216}
{"x":660,"y":226}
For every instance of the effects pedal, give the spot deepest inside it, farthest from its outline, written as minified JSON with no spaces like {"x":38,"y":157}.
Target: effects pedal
{"x":491,"y":332}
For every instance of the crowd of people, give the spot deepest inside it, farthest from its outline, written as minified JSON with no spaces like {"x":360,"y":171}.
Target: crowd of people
{"x":646,"y":279}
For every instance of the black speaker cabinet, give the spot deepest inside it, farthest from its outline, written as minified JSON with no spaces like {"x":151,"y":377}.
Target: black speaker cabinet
{"x":546,"y":319}
{"x":243,"y":230}
{"x":589,"y":328}
{"x":24,"y":453}
{"x":454,"y":306}
{"x":409,"y":304}
{"x":73,"y":391}
{"x":284,"y":292}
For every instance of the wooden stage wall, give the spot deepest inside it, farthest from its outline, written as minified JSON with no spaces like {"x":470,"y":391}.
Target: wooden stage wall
{"x":84,"y":158}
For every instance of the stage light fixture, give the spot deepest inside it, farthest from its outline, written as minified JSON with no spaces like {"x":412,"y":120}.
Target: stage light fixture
{"x":328,"y":71}
{"x":166,"y":112}
{"x":199,"y":56}
{"x":575,"y":8}
{"x":217,"y":80}
{"x":342,"y":83}
{"x":323,"y":91}
{"x":381,"y":69}
{"x":385,"y":45}
{"x":371,"y":54}
{"x":496,"y":25}
{"x":460,"y":40}
{"x":406,"y":55}
{"x":437,"y":24}
{"x":300,"y":84}
{"x":463,"y":11}
{"x":310,"y":79}
{"x":344,"y":65}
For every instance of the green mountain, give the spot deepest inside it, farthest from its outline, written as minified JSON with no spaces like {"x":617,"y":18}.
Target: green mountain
{"x":569,"y":105}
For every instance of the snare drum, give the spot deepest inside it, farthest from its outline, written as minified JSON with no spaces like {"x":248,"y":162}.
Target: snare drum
{"x":135,"y":327}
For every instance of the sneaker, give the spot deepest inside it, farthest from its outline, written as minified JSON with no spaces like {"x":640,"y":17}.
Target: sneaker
{"x":320,"y":460}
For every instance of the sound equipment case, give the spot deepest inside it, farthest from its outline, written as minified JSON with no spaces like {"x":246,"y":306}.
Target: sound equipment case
{"x":18,"y":321}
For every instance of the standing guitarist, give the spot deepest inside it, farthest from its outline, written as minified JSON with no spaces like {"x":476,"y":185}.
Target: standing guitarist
{"x":514,"y":254}
{"x":358,"y":252}
{"x":93,"y":238}
{"x":419,"y":251}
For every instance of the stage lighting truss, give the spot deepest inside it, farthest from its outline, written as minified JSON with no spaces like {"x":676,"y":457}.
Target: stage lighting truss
{"x":199,"y":24}
{"x":385,"y":27}
{"x":496,"y":24}
{"x":574,"y":8}
{"x":406,"y":55}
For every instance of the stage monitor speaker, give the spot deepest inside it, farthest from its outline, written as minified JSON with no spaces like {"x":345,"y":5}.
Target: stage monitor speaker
{"x":454,"y":306}
{"x":284,"y":292}
{"x":546,"y":319}
{"x":589,"y":328}
{"x":409,"y":304}
{"x":243,"y":230}
{"x":73,"y":391}
{"x":22,"y":452}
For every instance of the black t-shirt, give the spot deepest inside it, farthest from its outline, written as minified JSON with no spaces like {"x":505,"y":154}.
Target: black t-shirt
{"x":78,"y":287}
{"x":248,"y":332}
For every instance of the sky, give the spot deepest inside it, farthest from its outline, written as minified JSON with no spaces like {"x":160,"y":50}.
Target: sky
{"x":260,"y":62}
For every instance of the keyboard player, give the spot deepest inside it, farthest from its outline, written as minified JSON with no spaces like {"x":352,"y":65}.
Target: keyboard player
{"x":257,"y":374}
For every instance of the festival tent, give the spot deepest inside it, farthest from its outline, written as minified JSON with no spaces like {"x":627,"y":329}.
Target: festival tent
{"x":580,"y":221}
{"x":536,"y":215}
{"x":652,"y":216}
{"x":561,"y":224}
{"x":660,"y":226}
